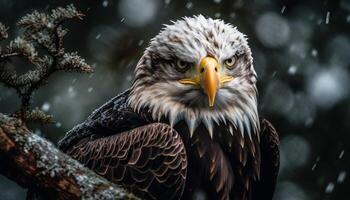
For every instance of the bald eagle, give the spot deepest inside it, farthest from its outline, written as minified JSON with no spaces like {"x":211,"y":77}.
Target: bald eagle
{"x":189,"y":124}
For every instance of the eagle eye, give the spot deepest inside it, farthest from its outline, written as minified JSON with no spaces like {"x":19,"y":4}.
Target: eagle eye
{"x":230,"y":63}
{"x":182,"y":66}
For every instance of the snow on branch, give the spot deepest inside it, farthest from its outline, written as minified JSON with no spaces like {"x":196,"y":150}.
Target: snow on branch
{"x":40,"y":31}
{"x":25,"y":157}
{"x":3,"y":31}
{"x":32,"y":161}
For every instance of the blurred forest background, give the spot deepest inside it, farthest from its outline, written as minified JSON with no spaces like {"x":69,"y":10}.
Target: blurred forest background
{"x":301,"y":52}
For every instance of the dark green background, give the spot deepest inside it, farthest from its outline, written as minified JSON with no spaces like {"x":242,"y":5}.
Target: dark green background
{"x":301,"y":53}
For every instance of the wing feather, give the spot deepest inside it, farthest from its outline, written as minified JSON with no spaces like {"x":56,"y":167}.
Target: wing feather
{"x":270,"y":160}
{"x":149,"y":160}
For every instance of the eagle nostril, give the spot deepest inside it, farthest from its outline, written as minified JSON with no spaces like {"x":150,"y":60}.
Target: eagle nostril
{"x":202,"y":69}
{"x":216,"y":69}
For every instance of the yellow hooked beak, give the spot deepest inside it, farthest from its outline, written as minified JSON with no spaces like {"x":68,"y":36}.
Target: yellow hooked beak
{"x":208,"y":78}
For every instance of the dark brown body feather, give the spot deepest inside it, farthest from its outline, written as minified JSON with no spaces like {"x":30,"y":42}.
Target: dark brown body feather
{"x":146,"y":160}
{"x":225,"y":166}
{"x":159,"y":162}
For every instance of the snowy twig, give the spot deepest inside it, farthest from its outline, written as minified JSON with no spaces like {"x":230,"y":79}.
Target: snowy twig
{"x":40,"y":31}
{"x":26,"y":158}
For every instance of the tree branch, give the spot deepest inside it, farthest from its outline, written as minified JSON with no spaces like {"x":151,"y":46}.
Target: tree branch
{"x":29,"y":159}
{"x":40,"y":31}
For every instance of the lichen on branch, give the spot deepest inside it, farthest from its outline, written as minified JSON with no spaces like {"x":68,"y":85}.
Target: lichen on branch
{"x":30,"y":159}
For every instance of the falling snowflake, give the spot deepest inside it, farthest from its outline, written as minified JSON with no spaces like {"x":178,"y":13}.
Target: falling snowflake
{"x":45,"y":107}
{"x":327,"y":17}
{"x":58,"y":124}
{"x":316,"y":163}
{"x":341,"y":177}
{"x":283,"y":9}
{"x":70,"y":89}
{"x":105,"y":3}
{"x":330,"y":187}
{"x":292,"y":69}
{"x":189,"y":5}
{"x":140,"y":42}
{"x":341,"y":154}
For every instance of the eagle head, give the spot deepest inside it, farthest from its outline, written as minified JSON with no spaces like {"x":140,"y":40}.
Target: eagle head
{"x":199,"y":70}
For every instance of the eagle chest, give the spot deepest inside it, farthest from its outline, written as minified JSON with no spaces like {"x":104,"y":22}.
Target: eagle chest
{"x":222,"y":166}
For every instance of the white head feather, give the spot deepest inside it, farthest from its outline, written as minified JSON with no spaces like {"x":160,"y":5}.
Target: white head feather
{"x":157,"y":88}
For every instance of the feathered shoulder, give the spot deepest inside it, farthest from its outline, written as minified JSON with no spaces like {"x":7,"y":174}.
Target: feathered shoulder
{"x":115,"y":116}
